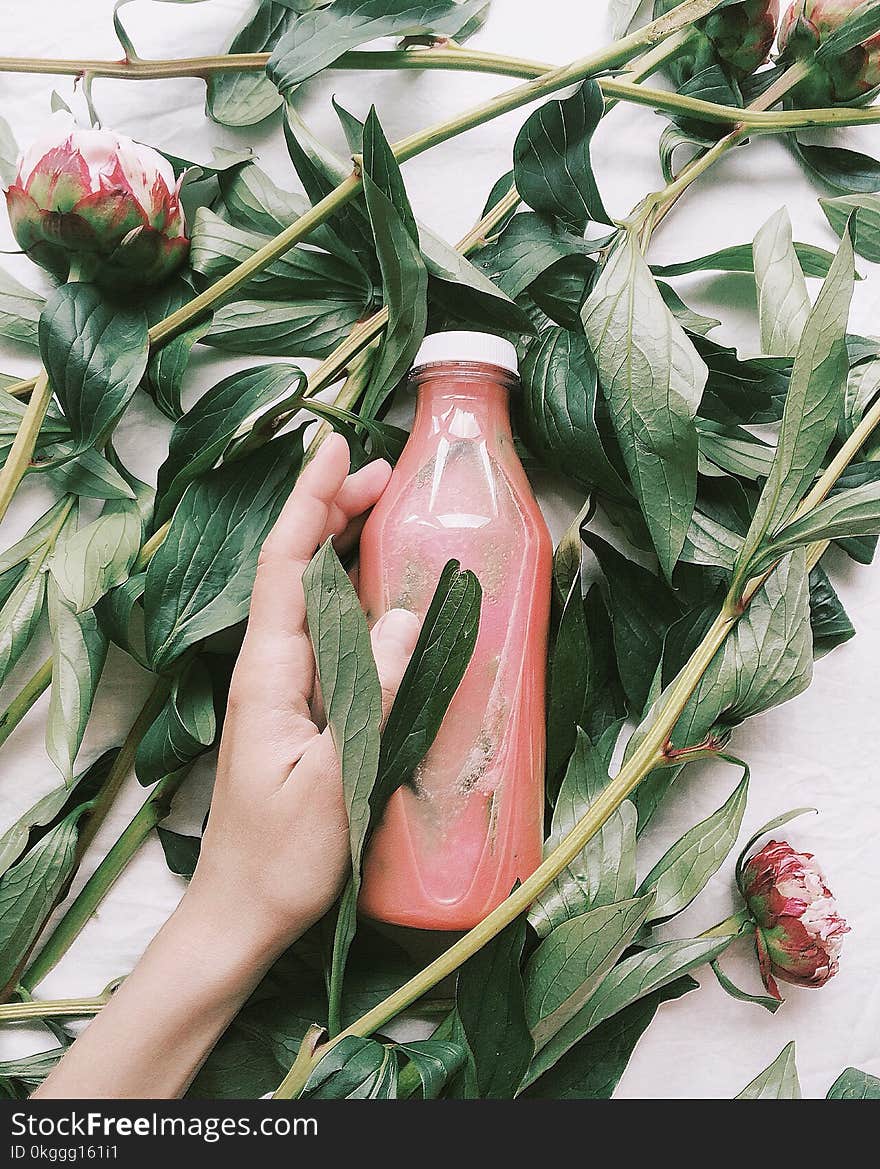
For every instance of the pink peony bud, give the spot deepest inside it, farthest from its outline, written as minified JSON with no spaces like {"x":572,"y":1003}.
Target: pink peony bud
{"x":102,"y":202}
{"x":739,"y":38}
{"x":798,"y":931}
{"x":844,"y":78}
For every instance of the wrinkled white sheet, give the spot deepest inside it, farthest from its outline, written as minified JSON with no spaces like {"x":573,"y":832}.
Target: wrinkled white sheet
{"x":820,"y":750}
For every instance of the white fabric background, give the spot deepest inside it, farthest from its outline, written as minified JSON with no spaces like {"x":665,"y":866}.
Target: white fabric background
{"x":820,"y":750}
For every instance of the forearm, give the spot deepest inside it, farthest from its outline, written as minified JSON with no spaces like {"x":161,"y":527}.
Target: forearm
{"x":162,"y":1023}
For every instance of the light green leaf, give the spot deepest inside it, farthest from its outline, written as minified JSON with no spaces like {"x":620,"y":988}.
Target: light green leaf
{"x":813,"y":261}
{"x":308,"y":328}
{"x":79,"y":649}
{"x":777,"y":1082}
{"x":28,"y":892}
{"x":812,"y":406}
{"x":734,"y":449}
{"x":353,"y":703}
{"x":43,"y":531}
{"x":653,"y":379}
{"x":95,"y":354}
{"x":572,"y":960}
{"x":203,"y":434}
{"x":199,"y":580}
{"x":853,"y":1084}
{"x":242,"y":99}
{"x":91,"y":475}
{"x":630,"y":980}
{"x":20,"y":615}
{"x":98,"y":557}
{"x":605,"y":871}
{"x":783,"y":300}
{"x":316,"y":39}
{"x":551,"y":158}
{"x":19,"y":311}
{"x":684,"y":870}
{"x":255,"y":202}
{"x":8,"y":154}
{"x":854,"y":511}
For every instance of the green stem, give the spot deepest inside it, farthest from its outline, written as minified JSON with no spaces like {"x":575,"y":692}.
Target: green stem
{"x":154,"y":809}
{"x":22,"y":449}
{"x":24,"y":700}
{"x":730,"y":927}
{"x":56,"y":1008}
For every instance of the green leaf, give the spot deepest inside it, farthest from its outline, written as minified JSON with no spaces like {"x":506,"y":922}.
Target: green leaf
{"x":116,"y":613}
{"x":316,"y":39}
{"x":202,"y":435}
{"x":20,"y":311}
{"x":558,"y":410}
{"x":242,"y":99}
{"x":653,"y":379}
{"x":436,"y":667}
{"x":551,"y":158}
{"x":592,"y":1068}
{"x":813,"y":260}
{"x":857,"y":26}
{"x":490,"y":1003}
{"x":98,"y":557}
{"x":436,"y":1061}
{"x":404,"y":276}
{"x":734,"y":449}
{"x":828,"y":620}
{"x":630,"y":980}
{"x":605,"y":871}
{"x":185,"y":727}
{"x":852,"y":512}
{"x":777,"y":1082}
{"x":8,"y":154}
{"x":642,"y":609}
{"x":20,"y":615}
{"x":79,"y":649}
{"x":685,"y":869}
{"x":760,"y":1000}
{"x":300,"y":274}
{"x":199,"y":579}
{"x":765,"y":661}
{"x":812,"y":406}
{"x":19,"y":1077}
{"x":307,"y":328}
{"x":622,"y":13}
{"x":181,"y":852}
{"x":168,"y":365}
{"x":355,"y":1069}
{"x":568,"y":669}
{"x":783,"y":301}
{"x":573,"y":959}
{"x":864,"y":213}
{"x":848,"y":171}
{"x":95,"y":355}
{"x":852,"y":1084}
{"x":90,"y":474}
{"x":28,"y":892}
{"x":526,"y":248}
{"x":353,"y":703}
{"x":252,"y":200}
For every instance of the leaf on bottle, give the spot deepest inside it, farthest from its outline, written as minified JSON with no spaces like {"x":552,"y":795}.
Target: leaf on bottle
{"x":653,"y":380}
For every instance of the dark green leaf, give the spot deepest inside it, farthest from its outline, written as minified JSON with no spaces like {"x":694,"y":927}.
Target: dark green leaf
{"x":857,"y":26}
{"x":255,"y":202}
{"x":653,"y":379}
{"x":863,"y":212}
{"x":181,"y":852}
{"x":436,"y":1061}
{"x":551,"y":158}
{"x":241,"y":99}
{"x":199,"y":579}
{"x":742,"y":996}
{"x":528,"y":246}
{"x":848,"y":171}
{"x":777,"y":1082}
{"x":95,"y":355}
{"x":185,"y":727}
{"x":558,"y":410}
{"x":490,"y":1003}
{"x":814,"y":261}
{"x":852,"y":1084}
{"x":355,"y":1069}
{"x":828,"y":620}
{"x":315,"y":39}
{"x":203,"y":434}
{"x":442,"y":653}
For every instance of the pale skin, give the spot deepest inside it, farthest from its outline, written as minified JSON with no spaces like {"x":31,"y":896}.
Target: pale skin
{"x":275,"y":852}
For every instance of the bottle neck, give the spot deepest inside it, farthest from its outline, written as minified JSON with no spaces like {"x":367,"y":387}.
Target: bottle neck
{"x":462,"y":401}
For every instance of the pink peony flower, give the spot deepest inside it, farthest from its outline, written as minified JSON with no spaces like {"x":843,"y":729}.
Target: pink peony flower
{"x":739,"y":38}
{"x":844,"y":78}
{"x":798,"y":930}
{"x":100,"y":201}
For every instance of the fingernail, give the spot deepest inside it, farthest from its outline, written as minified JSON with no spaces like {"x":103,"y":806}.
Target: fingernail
{"x":398,"y":625}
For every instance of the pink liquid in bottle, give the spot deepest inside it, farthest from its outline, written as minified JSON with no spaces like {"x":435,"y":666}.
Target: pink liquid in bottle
{"x":452,"y":844}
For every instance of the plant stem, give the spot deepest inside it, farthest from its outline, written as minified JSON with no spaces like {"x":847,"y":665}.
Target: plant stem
{"x":154,"y":809}
{"x":56,"y":1008}
{"x":24,"y":700}
{"x":730,"y":927}
{"x":22,"y":449}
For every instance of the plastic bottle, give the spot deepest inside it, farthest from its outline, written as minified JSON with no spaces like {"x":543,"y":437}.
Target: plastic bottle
{"x":451,"y":845}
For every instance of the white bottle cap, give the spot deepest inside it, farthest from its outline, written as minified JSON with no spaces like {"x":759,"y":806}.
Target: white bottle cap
{"x":467,"y":346}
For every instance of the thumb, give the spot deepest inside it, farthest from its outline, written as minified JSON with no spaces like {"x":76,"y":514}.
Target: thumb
{"x":394,"y":637}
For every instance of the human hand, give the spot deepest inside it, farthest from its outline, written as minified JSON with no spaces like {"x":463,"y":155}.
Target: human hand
{"x":275,"y":852}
